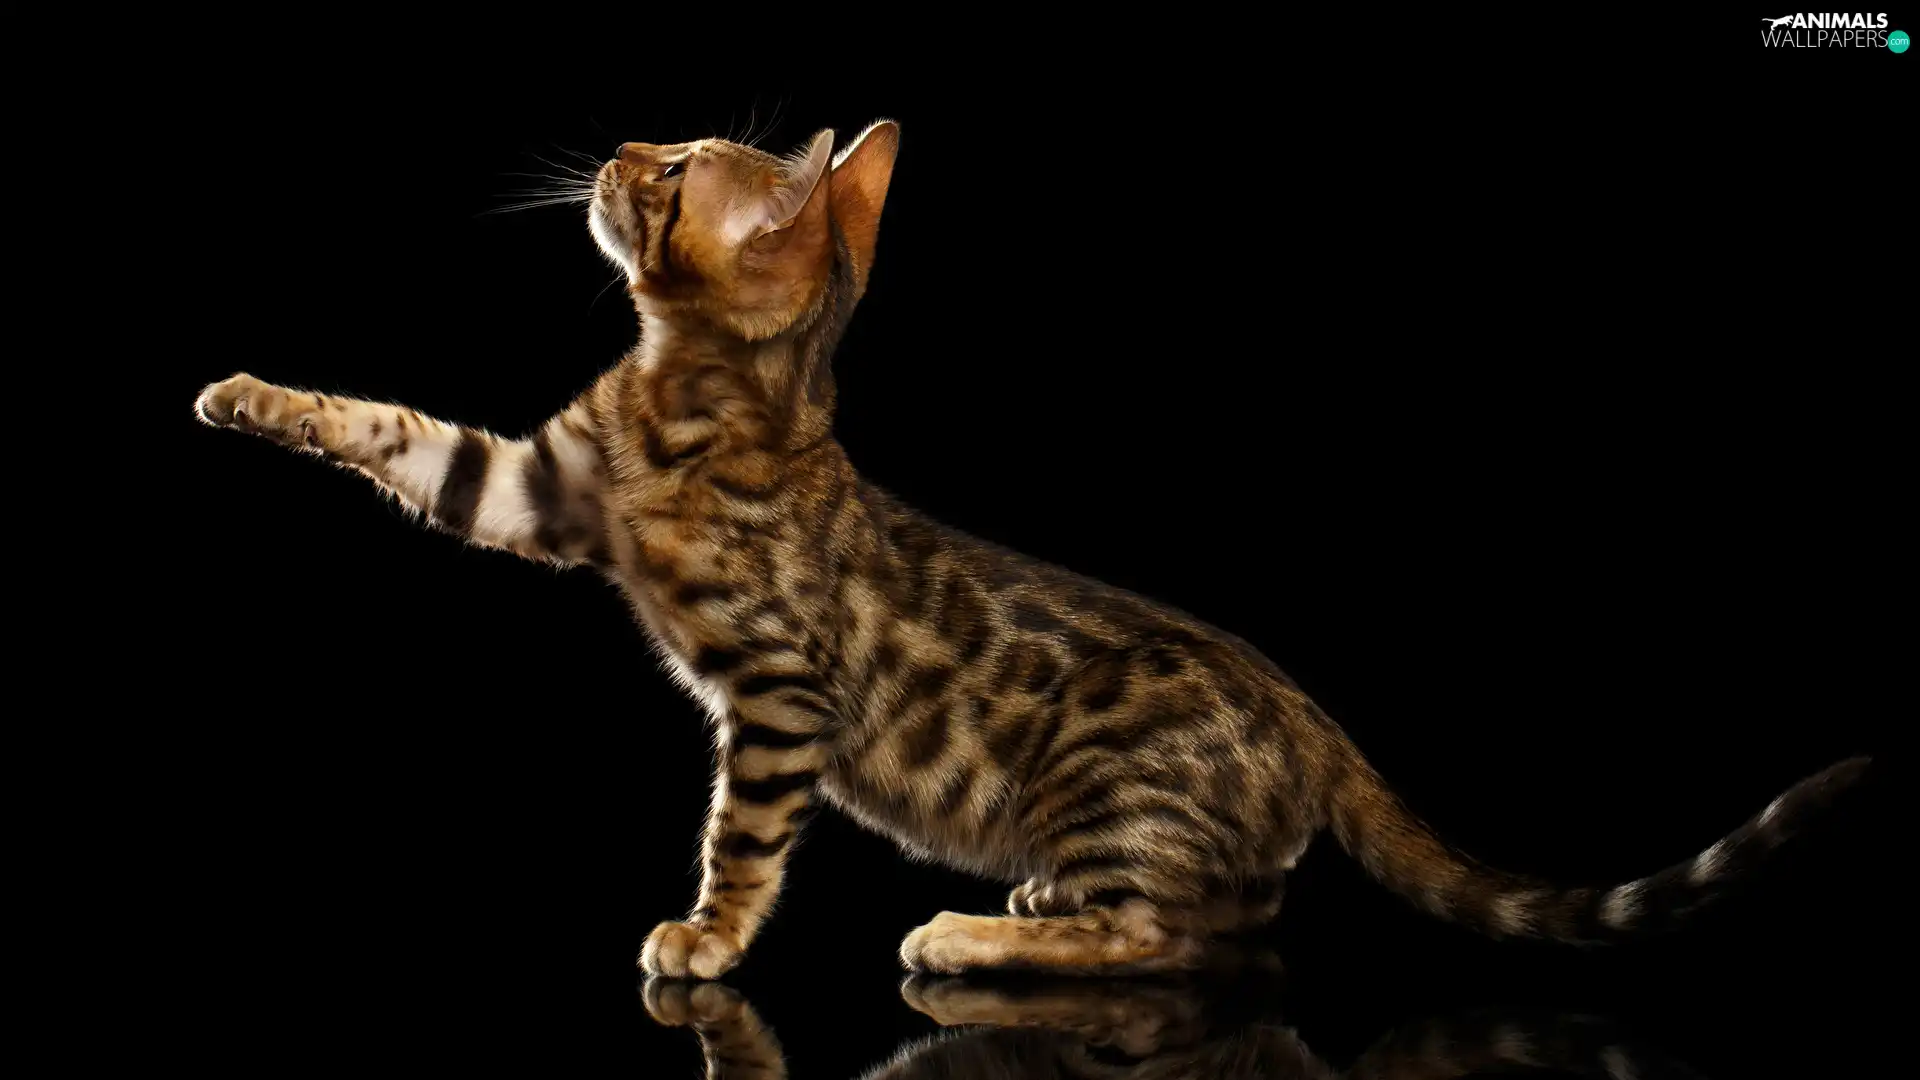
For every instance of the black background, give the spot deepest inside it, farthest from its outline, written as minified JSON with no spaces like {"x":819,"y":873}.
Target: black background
{"x":1536,"y":412}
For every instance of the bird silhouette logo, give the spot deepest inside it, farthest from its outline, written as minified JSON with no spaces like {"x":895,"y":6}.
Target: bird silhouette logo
{"x":1776,"y":22}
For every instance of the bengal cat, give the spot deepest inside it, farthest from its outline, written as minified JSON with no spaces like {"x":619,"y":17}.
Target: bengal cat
{"x":1147,"y":779}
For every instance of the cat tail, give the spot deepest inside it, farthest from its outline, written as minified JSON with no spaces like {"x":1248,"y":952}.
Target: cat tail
{"x":1399,"y":850}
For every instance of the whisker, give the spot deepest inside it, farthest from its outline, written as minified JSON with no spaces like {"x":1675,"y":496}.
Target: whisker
{"x":534,"y":192}
{"x":576,"y":179}
{"x":617,"y":278}
{"x":772,"y":122}
{"x":563,"y":168}
{"x":755,"y":135}
{"x":572,"y":189}
{"x":570,"y":200}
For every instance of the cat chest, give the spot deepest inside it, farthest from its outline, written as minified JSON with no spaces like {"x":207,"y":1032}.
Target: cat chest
{"x":698,"y":584}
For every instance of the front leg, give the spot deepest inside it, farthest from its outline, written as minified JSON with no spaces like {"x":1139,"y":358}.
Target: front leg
{"x":771,"y":755}
{"x":538,"y":497}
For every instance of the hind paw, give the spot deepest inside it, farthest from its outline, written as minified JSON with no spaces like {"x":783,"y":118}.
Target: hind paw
{"x":1037,"y":899}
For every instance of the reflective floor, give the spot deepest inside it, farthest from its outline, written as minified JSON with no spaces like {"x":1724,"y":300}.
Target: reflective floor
{"x":1231,"y":1027}
{"x":1242,"y":1024}
{"x":537,"y":996}
{"x":504,"y":942}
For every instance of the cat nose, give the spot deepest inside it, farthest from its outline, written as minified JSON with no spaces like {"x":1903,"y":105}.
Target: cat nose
{"x":629,"y":151}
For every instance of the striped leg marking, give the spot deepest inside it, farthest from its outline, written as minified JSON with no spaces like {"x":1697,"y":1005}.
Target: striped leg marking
{"x":762,"y":797}
{"x":538,"y":497}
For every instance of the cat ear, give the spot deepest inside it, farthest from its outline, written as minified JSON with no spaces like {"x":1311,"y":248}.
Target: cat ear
{"x":861,"y":173}
{"x":802,"y":178}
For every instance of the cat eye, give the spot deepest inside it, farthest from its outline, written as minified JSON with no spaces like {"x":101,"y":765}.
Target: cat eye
{"x":673,"y":170}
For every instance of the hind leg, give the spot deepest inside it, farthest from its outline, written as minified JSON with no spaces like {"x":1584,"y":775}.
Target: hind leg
{"x":1054,"y":928}
{"x":1127,"y":883}
{"x":1230,"y":908}
{"x":1132,"y":937}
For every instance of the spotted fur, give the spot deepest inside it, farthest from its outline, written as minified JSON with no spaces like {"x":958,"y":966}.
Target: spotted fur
{"x":1145,"y":779}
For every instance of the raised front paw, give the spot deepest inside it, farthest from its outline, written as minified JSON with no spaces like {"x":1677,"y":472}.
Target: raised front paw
{"x":247,"y":404}
{"x":679,"y":950}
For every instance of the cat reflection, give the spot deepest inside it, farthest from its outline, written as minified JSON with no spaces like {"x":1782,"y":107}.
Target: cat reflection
{"x":1075,"y":1029}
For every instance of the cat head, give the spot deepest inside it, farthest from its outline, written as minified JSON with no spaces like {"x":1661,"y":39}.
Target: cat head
{"x":737,"y":236}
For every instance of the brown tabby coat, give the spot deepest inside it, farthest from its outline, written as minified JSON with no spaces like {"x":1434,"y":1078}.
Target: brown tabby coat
{"x":1146,"y":778}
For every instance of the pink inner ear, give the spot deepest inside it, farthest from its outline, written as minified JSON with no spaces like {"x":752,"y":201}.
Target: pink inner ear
{"x":802,"y":176}
{"x":781,"y":204}
{"x":745,"y":222}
